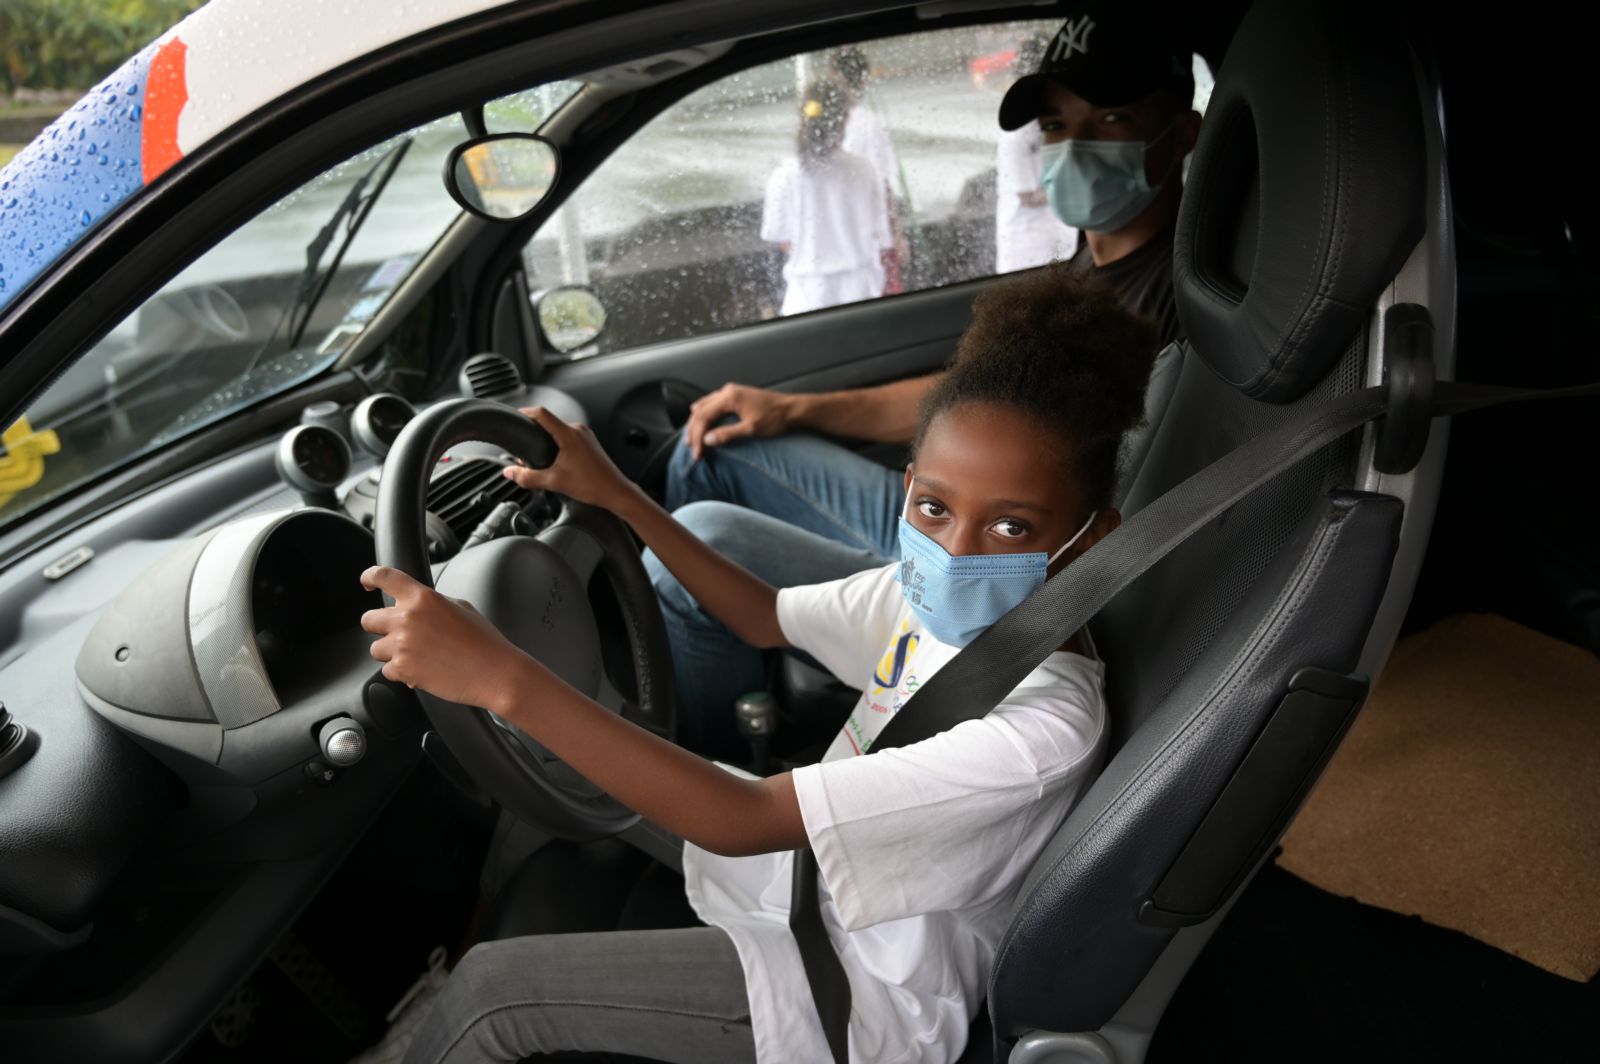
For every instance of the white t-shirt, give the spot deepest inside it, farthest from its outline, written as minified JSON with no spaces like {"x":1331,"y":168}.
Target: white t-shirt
{"x":865,"y":136}
{"x":831,"y":214}
{"x":922,"y":848}
{"x":1025,"y":236}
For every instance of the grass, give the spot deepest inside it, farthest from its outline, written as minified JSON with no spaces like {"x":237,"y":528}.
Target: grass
{"x":7,"y":151}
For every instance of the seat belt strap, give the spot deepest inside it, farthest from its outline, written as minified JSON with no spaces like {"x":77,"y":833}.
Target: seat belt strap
{"x":992,"y":665}
{"x":830,"y":986}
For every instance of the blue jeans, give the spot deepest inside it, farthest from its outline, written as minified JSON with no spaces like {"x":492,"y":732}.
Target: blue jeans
{"x":793,"y":510}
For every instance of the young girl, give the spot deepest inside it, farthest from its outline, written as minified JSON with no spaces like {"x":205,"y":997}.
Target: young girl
{"x":826,"y":209}
{"x":921,"y":849}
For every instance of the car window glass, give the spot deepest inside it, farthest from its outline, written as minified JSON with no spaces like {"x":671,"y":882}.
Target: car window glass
{"x":707,"y":219}
{"x":272,"y":304}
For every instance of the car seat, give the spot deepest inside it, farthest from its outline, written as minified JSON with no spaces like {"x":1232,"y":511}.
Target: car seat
{"x":1315,"y":221}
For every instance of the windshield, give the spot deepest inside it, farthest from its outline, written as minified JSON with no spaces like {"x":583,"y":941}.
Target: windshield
{"x":272,"y":305}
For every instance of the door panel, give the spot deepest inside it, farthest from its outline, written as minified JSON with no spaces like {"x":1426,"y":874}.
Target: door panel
{"x":842,"y":347}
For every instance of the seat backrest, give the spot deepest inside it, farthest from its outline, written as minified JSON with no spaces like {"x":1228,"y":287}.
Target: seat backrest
{"x":1229,"y":663}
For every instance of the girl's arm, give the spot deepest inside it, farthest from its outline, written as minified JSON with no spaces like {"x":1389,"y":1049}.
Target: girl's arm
{"x":747,"y":605}
{"x":447,"y":648}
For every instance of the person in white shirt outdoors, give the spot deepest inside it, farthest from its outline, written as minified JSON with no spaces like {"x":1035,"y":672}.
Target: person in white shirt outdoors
{"x":921,"y":848}
{"x":759,"y":473}
{"x":865,"y":135}
{"x":826,"y":210}
{"x":1026,"y":231}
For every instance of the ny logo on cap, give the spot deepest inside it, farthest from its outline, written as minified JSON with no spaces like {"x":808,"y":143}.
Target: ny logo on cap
{"x":1072,"y":38}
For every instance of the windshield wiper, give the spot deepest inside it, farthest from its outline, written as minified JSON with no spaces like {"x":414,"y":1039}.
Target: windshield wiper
{"x":352,"y":212}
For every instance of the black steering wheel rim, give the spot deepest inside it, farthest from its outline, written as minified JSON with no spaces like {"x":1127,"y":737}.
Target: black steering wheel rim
{"x":541,"y":791}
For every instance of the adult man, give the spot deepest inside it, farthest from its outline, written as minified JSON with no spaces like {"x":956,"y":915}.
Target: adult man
{"x":1114,"y":110}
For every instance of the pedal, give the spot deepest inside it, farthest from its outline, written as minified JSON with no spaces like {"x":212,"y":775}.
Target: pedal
{"x":231,"y":1024}
{"x":321,"y":987}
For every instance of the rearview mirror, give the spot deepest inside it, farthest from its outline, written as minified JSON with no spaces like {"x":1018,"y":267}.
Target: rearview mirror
{"x":571,"y":317}
{"x":502,"y":177}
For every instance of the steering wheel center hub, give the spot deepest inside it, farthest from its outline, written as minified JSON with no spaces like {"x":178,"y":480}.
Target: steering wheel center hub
{"x":535,"y":598}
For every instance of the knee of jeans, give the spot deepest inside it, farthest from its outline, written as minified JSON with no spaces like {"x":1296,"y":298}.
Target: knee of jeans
{"x":719,"y":525}
{"x":674,"y":599}
{"x":716,"y":524}
{"x":469,"y":980}
{"x":711,"y":523}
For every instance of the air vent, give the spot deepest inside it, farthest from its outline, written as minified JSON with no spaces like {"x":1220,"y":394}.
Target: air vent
{"x":464,"y":492}
{"x":489,"y":376}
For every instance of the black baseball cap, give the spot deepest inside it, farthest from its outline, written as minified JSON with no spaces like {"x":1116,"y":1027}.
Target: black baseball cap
{"x":1107,"y":54}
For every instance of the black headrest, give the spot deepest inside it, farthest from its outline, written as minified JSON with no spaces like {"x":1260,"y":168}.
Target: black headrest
{"x":1305,"y":194}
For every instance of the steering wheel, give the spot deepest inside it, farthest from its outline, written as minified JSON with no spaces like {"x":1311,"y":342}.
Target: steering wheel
{"x":534,"y":590}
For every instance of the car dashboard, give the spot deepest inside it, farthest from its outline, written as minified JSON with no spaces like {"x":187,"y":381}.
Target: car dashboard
{"x":208,"y":736}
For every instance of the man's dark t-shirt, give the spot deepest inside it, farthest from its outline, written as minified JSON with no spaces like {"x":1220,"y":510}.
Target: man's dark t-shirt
{"x":1142,"y":281}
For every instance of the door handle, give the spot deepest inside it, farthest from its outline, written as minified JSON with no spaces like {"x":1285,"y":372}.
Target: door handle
{"x":677,"y":397}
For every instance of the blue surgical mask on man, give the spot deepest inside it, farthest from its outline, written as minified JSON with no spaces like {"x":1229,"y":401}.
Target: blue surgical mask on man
{"x":1098,"y":185}
{"x":958,"y":596}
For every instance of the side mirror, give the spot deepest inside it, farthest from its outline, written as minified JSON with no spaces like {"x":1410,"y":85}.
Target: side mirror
{"x":502,"y":177}
{"x":570,"y":317}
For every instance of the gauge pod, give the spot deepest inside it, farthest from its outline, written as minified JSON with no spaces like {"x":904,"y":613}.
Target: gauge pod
{"x":234,"y":650}
{"x":314,"y":460}
{"x":377,"y":420}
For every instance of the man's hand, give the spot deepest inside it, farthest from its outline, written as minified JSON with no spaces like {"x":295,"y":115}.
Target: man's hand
{"x":581,"y":470}
{"x":760,"y":413}
{"x":439,"y":644}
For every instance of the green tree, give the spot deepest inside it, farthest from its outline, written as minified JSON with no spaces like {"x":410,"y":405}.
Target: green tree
{"x":71,"y":44}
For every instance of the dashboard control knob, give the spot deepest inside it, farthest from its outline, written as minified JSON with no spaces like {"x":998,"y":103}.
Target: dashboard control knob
{"x":343,"y":742}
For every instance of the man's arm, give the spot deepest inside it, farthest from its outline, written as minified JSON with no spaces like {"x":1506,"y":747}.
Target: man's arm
{"x":884,"y":414}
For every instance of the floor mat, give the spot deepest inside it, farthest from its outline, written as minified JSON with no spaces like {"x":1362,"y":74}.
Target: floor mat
{"x":1468,"y":793}
{"x":1296,"y":974}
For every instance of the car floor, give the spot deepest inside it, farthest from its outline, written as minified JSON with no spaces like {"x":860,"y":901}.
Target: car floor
{"x":411,"y":884}
{"x":1297,"y":974}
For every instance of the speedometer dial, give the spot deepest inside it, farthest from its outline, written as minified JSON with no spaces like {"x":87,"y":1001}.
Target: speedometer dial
{"x":377,"y":421}
{"x":313,"y":459}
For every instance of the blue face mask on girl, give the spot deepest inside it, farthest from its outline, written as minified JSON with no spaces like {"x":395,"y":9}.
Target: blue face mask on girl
{"x":957,"y":597}
{"x":1097,"y":184}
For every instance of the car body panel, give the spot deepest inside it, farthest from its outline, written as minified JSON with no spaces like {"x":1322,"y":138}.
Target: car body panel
{"x":198,"y":79}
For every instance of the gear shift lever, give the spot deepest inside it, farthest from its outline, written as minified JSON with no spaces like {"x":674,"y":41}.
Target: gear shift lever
{"x":756,"y":715}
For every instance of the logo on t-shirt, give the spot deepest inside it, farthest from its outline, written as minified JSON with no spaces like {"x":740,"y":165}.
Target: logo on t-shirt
{"x":892,"y":683}
{"x":893,"y":664}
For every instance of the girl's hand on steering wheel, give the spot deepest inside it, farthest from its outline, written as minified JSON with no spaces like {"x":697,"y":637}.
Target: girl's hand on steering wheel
{"x":581,"y":469}
{"x":439,"y":644}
